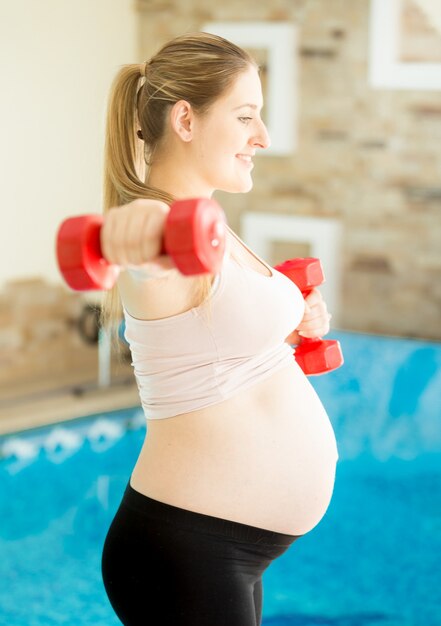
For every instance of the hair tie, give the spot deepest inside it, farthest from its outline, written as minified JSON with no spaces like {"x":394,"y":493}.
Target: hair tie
{"x":143,"y":69}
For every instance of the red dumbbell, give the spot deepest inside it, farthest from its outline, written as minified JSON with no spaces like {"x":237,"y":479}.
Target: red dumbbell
{"x":194,"y":237}
{"x":315,"y":356}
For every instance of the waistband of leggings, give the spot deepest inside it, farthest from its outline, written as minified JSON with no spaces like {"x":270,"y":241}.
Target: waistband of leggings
{"x":201,"y":522}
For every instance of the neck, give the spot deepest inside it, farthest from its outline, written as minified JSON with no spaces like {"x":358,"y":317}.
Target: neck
{"x":178,"y":178}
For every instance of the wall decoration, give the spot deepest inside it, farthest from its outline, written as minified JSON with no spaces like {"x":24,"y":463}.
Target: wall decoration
{"x":405,"y":44}
{"x":270,"y":234}
{"x":273,"y":45}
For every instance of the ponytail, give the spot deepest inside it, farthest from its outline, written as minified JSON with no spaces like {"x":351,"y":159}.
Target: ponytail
{"x":125,"y":169}
{"x":124,"y":151}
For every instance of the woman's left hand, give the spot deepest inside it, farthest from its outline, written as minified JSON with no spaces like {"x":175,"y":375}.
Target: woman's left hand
{"x":315,"y":322}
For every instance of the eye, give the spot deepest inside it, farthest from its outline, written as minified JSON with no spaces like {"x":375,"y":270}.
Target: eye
{"x":245,"y":120}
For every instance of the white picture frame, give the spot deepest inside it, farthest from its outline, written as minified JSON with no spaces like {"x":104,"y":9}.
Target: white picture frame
{"x":385,"y":69}
{"x":279,"y":39}
{"x":323,"y":235}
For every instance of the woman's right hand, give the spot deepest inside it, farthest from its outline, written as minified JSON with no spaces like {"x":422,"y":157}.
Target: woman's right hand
{"x":132,"y":234}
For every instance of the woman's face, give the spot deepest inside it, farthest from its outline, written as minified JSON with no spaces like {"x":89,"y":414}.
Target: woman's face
{"x":226,"y":138}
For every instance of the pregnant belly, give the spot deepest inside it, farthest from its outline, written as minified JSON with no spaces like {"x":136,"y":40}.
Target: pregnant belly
{"x":294,"y":460}
{"x":265,"y":458}
{"x":303,"y":470}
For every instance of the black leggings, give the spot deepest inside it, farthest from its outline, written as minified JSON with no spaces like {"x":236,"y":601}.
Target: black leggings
{"x":166,"y":566}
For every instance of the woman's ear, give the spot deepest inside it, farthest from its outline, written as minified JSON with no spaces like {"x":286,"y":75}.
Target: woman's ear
{"x":181,"y":119}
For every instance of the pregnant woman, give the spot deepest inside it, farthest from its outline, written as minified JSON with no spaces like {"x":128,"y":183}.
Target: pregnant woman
{"x":239,"y":456}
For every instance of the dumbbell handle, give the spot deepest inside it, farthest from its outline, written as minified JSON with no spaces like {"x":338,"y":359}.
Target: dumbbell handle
{"x":314,"y":355}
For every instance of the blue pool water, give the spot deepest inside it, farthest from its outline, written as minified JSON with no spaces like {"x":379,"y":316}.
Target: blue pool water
{"x":372,"y":561}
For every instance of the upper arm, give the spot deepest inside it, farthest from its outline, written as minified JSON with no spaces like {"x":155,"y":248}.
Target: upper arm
{"x":154,"y":295}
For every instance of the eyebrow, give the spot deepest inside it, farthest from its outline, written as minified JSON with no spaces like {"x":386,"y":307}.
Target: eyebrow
{"x":242,"y":106}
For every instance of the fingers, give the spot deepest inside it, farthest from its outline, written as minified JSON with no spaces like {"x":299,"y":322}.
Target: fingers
{"x":114,"y":236}
{"x":315,"y":322}
{"x":135,"y":244}
{"x":132,"y":234}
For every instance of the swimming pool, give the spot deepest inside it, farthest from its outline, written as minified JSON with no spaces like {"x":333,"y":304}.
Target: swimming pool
{"x":373,"y":560}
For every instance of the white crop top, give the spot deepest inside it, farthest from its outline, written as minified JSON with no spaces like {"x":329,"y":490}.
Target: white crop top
{"x":212,"y":352}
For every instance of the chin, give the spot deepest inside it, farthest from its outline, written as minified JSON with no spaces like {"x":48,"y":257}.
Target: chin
{"x":247,"y":186}
{"x":238,"y":187}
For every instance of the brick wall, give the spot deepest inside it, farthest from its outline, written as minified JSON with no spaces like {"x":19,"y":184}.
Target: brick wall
{"x":368,"y":158}
{"x":41,"y":347}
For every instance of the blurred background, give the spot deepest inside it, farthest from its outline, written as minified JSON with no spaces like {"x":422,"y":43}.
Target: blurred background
{"x":354,"y":171}
{"x":353,"y":105}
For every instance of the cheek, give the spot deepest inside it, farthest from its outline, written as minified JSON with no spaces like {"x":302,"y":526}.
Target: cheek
{"x":223,"y":138}
{"x":217,"y":150}
{"x":218,"y":154}
{"x":212,"y":145}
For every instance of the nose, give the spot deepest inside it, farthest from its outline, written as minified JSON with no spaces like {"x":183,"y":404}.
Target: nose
{"x":261,"y":139}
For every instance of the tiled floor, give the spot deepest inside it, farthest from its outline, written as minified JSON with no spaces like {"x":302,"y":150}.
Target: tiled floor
{"x":47,"y":407}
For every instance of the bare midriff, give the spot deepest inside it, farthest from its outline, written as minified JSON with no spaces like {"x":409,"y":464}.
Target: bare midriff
{"x":265,"y":457}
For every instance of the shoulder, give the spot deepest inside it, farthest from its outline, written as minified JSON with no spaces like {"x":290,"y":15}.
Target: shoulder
{"x":154,"y":297}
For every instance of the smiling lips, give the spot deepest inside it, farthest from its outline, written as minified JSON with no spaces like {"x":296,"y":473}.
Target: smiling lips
{"x":245,"y":158}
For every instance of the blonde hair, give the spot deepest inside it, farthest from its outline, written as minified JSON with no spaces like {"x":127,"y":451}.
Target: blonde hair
{"x":197,"y":68}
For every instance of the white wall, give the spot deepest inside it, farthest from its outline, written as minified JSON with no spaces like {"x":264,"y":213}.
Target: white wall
{"x":57,"y":61}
